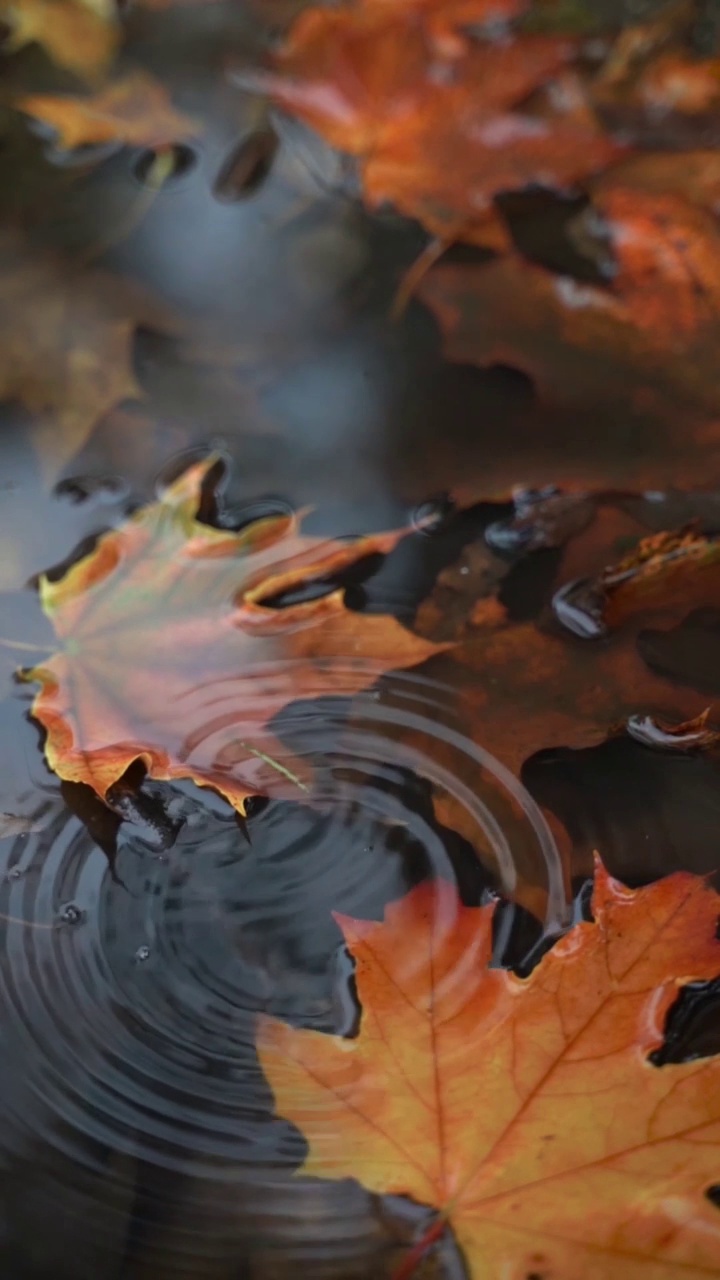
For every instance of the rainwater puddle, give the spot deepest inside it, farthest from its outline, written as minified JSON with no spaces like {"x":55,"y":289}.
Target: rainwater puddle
{"x":237,"y":305}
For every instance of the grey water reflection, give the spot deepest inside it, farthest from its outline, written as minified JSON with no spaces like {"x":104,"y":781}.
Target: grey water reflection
{"x":248,"y":310}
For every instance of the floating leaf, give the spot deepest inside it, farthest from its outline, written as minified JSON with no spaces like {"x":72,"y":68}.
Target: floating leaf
{"x":136,"y":111}
{"x":516,"y":686}
{"x":80,"y":37}
{"x":527,"y":1112}
{"x":438,"y":120}
{"x":172,"y":656}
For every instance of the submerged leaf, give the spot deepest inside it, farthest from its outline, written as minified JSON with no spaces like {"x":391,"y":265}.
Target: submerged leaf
{"x":527,"y":1112}
{"x":517,"y":683}
{"x":66,"y":345}
{"x":171,"y":655}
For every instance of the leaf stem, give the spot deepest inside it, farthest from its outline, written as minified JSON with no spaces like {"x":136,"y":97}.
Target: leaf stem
{"x":274,"y":764}
{"x":25,"y":646}
{"x":415,"y":1255}
{"x":431,"y":254}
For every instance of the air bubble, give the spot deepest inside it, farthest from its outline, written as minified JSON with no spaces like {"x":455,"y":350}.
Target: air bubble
{"x":142,"y":954}
{"x":71,"y":914}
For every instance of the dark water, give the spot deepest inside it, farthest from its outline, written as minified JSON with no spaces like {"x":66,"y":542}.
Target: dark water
{"x":138,"y":1137}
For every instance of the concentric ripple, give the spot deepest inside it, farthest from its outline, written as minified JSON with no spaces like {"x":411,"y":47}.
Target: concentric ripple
{"x":130,"y":999}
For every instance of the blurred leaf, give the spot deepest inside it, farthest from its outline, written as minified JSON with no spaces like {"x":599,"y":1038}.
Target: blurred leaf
{"x":81,"y":37}
{"x":437,"y":119}
{"x":65,"y":345}
{"x":136,"y":111}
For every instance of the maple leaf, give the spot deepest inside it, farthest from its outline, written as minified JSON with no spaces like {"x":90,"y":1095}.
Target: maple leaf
{"x":436,"y":119}
{"x":81,"y":37}
{"x":135,"y":110}
{"x":170,"y":655}
{"x":643,"y":346}
{"x":693,"y":175}
{"x":527,"y":1112}
{"x":66,"y":339}
{"x":677,"y":83}
{"x":515,"y":688}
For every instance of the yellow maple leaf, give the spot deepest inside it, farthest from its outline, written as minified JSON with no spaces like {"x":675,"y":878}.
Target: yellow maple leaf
{"x":527,"y":1112}
{"x":81,"y":37}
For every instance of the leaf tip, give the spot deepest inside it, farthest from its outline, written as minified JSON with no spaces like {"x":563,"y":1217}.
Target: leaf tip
{"x":186,"y":489}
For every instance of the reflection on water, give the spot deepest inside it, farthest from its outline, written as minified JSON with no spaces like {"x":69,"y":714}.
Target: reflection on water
{"x":245,"y":306}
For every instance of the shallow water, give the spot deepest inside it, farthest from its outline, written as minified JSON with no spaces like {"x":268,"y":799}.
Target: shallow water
{"x":138,"y":1136}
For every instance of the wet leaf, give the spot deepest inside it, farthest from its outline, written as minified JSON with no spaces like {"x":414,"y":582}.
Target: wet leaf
{"x":640,"y":348}
{"x":678,"y":83}
{"x":81,"y":37}
{"x":437,"y":119}
{"x":527,"y":1112}
{"x":649,"y":71}
{"x":15,"y":824}
{"x":661,"y":567}
{"x":466,"y":593}
{"x":136,"y":111}
{"x":171,"y":655}
{"x":66,"y":337}
{"x":516,"y":687}
{"x":694,"y":175}
{"x":690,"y":736}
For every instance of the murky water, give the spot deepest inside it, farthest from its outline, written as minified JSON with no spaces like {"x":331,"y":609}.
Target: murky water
{"x":137,"y":1136}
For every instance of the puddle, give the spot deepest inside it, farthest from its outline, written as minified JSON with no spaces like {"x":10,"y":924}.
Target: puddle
{"x":244,"y":305}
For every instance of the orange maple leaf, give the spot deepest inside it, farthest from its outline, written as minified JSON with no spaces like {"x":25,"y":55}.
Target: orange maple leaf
{"x":170,"y":655}
{"x":135,"y":110}
{"x":526,"y":1111}
{"x":436,"y":119}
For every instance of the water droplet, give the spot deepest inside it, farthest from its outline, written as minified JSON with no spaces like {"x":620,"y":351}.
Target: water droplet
{"x":14,"y":873}
{"x":71,"y":914}
{"x":142,"y":954}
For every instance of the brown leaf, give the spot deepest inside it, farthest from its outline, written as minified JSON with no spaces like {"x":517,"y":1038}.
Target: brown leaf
{"x":65,"y":338}
{"x":135,"y":111}
{"x":692,"y":175}
{"x":515,"y":688}
{"x":675,"y":82}
{"x":641,"y":350}
{"x":465,"y":592}
{"x":662,"y":568}
{"x":689,"y":736}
